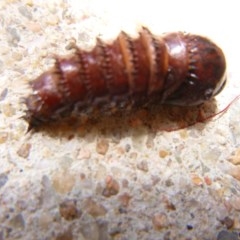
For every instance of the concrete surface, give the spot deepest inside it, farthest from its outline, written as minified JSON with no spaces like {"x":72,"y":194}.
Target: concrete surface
{"x":124,"y":178}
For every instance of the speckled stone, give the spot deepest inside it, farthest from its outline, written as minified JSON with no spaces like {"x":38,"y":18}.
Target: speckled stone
{"x":68,"y":210}
{"x":135,"y":176}
{"x":24,"y":150}
{"x":111,"y":187}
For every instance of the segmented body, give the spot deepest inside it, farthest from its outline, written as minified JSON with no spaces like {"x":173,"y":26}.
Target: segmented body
{"x":176,"y":68}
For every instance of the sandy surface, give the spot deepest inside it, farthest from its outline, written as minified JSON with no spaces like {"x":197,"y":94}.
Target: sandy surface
{"x":125,"y":178}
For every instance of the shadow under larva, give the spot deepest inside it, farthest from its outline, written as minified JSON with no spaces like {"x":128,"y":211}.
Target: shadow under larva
{"x":129,"y":73}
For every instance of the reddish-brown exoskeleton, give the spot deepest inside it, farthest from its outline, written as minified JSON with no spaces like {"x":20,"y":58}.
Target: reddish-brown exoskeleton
{"x":175,"y":68}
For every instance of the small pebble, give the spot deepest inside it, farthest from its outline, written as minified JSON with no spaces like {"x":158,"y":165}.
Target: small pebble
{"x":52,"y":20}
{"x":183,"y":133}
{"x":168,"y":204}
{"x":84,"y":154}
{"x":93,"y":208}
{"x":34,"y":26}
{"x":63,"y":182}
{"x":68,"y":210}
{"x":189,"y":227}
{"x":235,"y":159}
{"x":208,"y":180}
{"x":112,"y":187}
{"x":120,"y":150}
{"x":71,"y":44}
{"x":45,"y":219}
{"x":228,"y":222}
{"x":24,"y":150}
{"x":169,"y":183}
{"x":3,"y":94}
{"x":122,"y":209}
{"x":196,"y":180}
{"x":13,"y":36}
{"x":143,"y":165}
{"x":124,"y":199}
{"x":163,"y":153}
{"x":235,"y":202}
{"x":28,"y":2}
{"x":127,"y":147}
{"x":102,"y":146}
{"x":3,"y":137}
{"x":150,"y":140}
{"x":18,"y":221}
{"x":25,"y":12}
{"x":65,"y":236}
{"x":160,"y":221}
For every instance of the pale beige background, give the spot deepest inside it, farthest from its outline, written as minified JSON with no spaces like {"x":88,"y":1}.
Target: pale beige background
{"x":165,"y":183}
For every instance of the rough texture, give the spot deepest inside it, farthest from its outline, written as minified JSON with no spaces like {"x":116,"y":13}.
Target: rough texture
{"x":119,"y":177}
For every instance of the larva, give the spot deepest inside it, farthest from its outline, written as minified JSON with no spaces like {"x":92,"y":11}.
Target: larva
{"x":176,"y":68}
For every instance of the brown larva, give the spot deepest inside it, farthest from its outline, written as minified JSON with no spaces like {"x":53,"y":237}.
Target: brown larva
{"x":175,"y":68}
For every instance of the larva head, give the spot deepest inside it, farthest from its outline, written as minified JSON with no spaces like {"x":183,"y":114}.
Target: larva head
{"x":205,"y":71}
